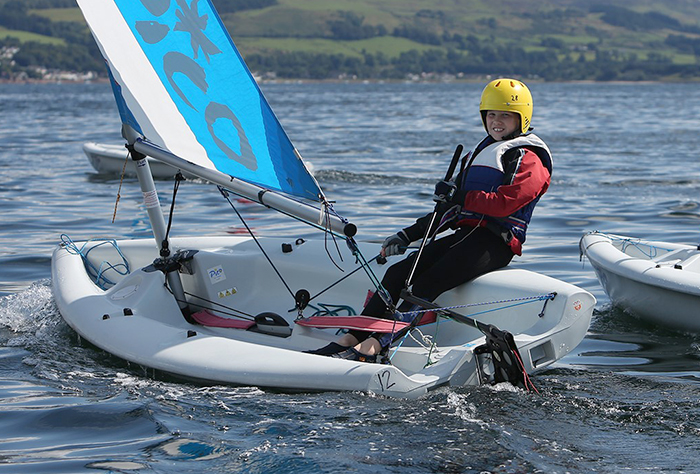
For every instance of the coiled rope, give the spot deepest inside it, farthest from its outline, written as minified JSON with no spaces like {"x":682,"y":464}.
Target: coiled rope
{"x":97,"y":273}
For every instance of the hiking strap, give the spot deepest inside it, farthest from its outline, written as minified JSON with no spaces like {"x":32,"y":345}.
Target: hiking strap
{"x":359,"y":323}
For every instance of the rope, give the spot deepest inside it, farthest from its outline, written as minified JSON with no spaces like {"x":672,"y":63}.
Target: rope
{"x":433,"y":345}
{"x":121,"y":180}
{"x":327,"y":207}
{"x":359,"y":257}
{"x":332,"y":309}
{"x":639,"y":244}
{"x":328,"y":211}
{"x":428,"y":342}
{"x":340,"y":280}
{"x":516,"y":302}
{"x":225,"y":194}
{"x":97,"y":273}
{"x":523,"y":300}
{"x":164,"y":246}
{"x":227,"y":310}
{"x":311,"y":224}
{"x":526,"y":376}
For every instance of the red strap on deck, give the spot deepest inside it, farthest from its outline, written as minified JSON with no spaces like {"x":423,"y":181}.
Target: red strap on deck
{"x":205,"y":318}
{"x":361,"y":323}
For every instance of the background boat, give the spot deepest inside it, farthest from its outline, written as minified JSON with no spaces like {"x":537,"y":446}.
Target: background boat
{"x":656,"y":281}
{"x":111,"y":159}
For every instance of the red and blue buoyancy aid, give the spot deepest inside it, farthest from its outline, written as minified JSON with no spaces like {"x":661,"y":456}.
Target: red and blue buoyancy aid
{"x":487,"y":172}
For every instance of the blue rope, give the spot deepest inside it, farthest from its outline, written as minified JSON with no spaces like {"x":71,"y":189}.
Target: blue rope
{"x":524,"y":299}
{"x":97,"y":273}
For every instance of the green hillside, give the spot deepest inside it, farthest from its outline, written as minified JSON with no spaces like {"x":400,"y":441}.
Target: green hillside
{"x":395,"y":39}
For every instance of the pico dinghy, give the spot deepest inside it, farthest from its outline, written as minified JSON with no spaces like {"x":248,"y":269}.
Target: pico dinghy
{"x":655,"y":281}
{"x":114,"y":160}
{"x":242,"y":310}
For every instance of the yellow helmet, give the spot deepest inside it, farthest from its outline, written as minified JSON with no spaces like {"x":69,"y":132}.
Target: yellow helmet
{"x":507,"y":95}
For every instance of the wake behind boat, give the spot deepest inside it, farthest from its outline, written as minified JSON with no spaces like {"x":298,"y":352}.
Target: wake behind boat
{"x":656,"y":281}
{"x":243,"y":310}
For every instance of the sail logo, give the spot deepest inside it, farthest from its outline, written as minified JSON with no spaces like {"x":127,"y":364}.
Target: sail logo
{"x":177,"y":39}
{"x":180,"y":81}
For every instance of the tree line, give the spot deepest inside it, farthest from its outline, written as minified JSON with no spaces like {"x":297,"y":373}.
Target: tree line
{"x":502,"y":60}
{"x":448,"y":54}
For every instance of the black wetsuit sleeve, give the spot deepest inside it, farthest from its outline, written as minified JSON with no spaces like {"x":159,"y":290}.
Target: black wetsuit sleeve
{"x":417,"y":230}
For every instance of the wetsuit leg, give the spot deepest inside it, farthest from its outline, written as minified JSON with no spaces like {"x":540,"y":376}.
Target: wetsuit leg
{"x":394,"y":281}
{"x":459,"y":258}
{"x":446,"y":263}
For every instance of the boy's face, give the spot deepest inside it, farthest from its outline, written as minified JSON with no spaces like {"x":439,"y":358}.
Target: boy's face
{"x":501,"y":124}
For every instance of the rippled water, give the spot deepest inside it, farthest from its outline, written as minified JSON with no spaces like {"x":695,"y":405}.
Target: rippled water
{"x":627,"y":160}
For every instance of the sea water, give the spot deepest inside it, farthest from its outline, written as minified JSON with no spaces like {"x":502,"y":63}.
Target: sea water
{"x":627,"y":160}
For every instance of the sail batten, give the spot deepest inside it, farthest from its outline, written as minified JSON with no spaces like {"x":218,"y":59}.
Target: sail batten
{"x":180,"y":81}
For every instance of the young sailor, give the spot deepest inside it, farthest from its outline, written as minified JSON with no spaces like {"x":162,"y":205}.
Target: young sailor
{"x":488,"y":205}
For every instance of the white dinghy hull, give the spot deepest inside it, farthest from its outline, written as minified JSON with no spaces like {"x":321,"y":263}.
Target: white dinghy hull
{"x":110,"y":159}
{"x":186,"y":98}
{"x":138,"y":319}
{"x":655,"y":281}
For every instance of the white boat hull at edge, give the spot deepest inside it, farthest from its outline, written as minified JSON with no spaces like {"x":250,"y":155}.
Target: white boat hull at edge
{"x":110,"y":160}
{"x":231,"y":271}
{"x":655,"y":281}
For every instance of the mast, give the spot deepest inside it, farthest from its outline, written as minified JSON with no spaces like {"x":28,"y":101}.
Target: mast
{"x":155,"y":216}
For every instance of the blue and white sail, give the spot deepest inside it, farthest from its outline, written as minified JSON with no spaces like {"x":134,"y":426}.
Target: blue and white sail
{"x":181,"y":83}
